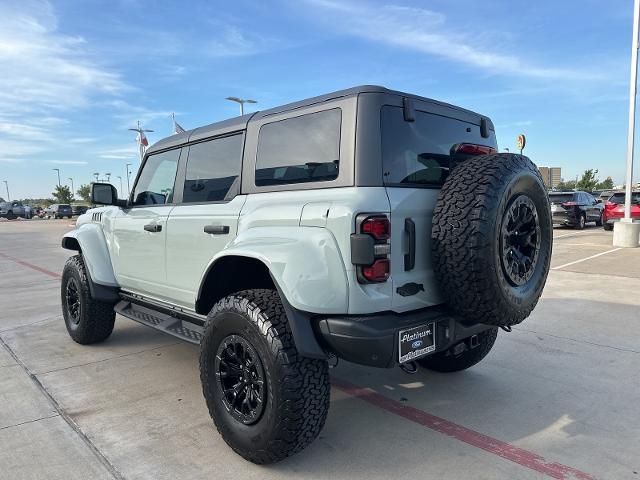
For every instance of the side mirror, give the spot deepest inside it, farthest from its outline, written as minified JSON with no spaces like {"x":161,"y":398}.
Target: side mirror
{"x":599,"y":200}
{"x":104,"y":194}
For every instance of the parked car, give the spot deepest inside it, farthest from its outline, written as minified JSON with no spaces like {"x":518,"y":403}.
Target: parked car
{"x":371,"y":225}
{"x":605,"y":195}
{"x":575,"y":209}
{"x":79,"y":209}
{"x":11,"y":209}
{"x":59,"y":210}
{"x":614,"y":208}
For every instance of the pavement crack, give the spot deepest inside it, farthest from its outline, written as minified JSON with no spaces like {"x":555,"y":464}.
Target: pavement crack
{"x":29,"y":421}
{"x":74,"y":426}
{"x":577,"y":341}
{"x":37,"y":322}
{"x":107,"y":359}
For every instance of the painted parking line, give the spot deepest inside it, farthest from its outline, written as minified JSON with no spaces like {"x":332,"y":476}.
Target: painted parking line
{"x":30,"y":265}
{"x":574,"y":234}
{"x":497,"y":447}
{"x":586,"y":258}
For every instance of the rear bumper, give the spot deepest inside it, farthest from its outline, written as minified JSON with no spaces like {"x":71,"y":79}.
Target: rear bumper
{"x":373,"y":339}
{"x":564,"y":218}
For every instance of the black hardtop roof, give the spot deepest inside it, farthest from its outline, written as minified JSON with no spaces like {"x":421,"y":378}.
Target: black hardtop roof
{"x":240,"y":123}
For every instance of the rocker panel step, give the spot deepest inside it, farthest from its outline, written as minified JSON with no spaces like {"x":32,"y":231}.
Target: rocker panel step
{"x":160,"y":321}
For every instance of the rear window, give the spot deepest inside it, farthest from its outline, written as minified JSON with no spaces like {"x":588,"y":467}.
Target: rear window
{"x":300,"y":149}
{"x":64,"y":206}
{"x":421,"y":153}
{"x":561,"y":197}
{"x":620,"y":197}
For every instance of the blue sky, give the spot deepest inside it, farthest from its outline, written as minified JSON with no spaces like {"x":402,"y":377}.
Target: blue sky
{"x":76,"y":74}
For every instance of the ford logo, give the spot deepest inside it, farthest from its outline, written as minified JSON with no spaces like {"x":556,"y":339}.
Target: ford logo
{"x":416,"y":344}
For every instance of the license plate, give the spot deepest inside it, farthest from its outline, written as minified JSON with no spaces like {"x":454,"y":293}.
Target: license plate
{"x":416,"y":342}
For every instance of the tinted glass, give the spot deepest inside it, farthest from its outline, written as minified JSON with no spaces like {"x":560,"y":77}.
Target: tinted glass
{"x":620,"y":197}
{"x":213,"y":167}
{"x":300,"y":149}
{"x":156,"y":181}
{"x":561,"y":197}
{"x":423,"y":151}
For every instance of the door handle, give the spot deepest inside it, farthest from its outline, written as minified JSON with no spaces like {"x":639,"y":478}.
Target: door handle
{"x":216,"y":229}
{"x":410,"y":256}
{"x":153,"y":227}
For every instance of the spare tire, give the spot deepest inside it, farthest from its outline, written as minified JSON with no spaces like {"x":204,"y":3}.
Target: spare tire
{"x":491,"y":239}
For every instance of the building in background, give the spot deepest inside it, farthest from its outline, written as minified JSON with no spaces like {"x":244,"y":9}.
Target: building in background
{"x":552,"y":176}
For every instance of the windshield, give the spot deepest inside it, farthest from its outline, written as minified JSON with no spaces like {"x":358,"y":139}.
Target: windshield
{"x":620,"y":197}
{"x":560,"y":197}
{"x":423,"y":151}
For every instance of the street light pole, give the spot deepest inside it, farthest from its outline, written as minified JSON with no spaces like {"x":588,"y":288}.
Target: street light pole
{"x":72,"y":187}
{"x":6,"y":184}
{"x":632,"y":109}
{"x":120,"y":183}
{"x":241,"y":101}
{"x":96,"y":174}
{"x":128,"y":188}
{"x":57,"y":170}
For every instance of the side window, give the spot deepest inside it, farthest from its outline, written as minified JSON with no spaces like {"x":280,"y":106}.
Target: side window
{"x":156,"y":181}
{"x":300,"y":149}
{"x":213,"y":170}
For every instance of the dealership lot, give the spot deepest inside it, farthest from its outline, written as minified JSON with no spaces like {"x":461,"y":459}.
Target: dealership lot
{"x":558,"y":397}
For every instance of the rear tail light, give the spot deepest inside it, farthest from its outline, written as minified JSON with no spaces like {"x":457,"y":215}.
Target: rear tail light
{"x":370,"y":248}
{"x":569,"y":204}
{"x":378,"y":227}
{"x":473,"y":149}
{"x":378,"y":272}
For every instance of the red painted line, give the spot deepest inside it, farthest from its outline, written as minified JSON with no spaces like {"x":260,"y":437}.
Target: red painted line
{"x":463,"y":434}
{"x":30,"y":265}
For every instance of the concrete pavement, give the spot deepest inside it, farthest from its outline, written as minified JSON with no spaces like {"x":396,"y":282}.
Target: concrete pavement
{"x":558,"y":397}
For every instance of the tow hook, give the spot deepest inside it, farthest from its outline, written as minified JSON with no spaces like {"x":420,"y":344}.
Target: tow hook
{"x":474,"y":341}
{"x":410,"y":367}
{"x":506,"y":328}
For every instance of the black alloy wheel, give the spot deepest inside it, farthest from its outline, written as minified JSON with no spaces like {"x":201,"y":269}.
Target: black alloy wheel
{"x":72,"y":296}
{"x":520,"y":240}
{"x":240,"y":376}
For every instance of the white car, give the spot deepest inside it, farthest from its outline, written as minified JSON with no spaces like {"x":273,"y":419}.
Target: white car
{"x":370,"y":225}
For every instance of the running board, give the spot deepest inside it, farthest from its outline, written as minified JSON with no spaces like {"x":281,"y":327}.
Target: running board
{"x":160,"y":321}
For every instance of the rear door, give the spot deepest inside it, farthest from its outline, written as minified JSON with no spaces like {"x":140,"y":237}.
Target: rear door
{"x":417,"y":157}
{"x":206,"y":217}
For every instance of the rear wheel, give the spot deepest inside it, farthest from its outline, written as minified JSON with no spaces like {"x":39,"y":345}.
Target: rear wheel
{"x":462,"y":355}
{"x":608,"y":226}
{"x":87,"y":320}
{"x":582,"y":220}
{"x":266,"y":400}
{"x":599,"y":220}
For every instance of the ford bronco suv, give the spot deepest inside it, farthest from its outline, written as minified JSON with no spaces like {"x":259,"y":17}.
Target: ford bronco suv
{"x":368,"y":225}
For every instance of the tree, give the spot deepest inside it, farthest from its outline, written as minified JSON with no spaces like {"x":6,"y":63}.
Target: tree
{"x":62,"y":194}
{"x":606,"y":184}
{"x":84,"y":192}
{"x":566,"y":186}
{"x":588,"y":181}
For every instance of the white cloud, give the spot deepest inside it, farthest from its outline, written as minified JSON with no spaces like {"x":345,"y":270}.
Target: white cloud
{"x":122,"y":153}
{"x":426,"y":31}
{"x":67,"y":162}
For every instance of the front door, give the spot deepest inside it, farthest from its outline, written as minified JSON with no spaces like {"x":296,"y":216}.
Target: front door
{"x":206,"y":219}
{"x":140,"y":230}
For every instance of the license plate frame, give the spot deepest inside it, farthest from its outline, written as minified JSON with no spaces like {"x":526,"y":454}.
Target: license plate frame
{"x":416,"y":342}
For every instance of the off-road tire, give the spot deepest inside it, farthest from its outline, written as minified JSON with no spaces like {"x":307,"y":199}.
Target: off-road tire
{"x":447,"y":362}
{"x":607,"y":226}
{"x":297,"y":388}
{"x":599,"y":220}
{"x":467,"y":239}
{"x":95,"y":319}
{"x":582,"y":221}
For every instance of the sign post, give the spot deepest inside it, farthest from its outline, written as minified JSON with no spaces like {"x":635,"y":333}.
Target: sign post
{"x":521,"y":141}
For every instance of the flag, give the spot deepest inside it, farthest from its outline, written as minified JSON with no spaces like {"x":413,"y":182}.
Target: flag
{"x":177,"y":128}
{"x":142,"y":138}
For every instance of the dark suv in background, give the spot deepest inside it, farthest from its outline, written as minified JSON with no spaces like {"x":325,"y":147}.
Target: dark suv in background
{"x":59,"y":210}
{"x":575,"y":209}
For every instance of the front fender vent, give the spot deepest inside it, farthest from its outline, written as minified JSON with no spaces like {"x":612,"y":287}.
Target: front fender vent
{"x":96,"y":217}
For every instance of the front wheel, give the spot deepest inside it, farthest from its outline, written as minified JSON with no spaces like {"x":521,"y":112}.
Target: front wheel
{"x":87,"y":320}
{"x":266,"y":400}
{"x":462,"y":355}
